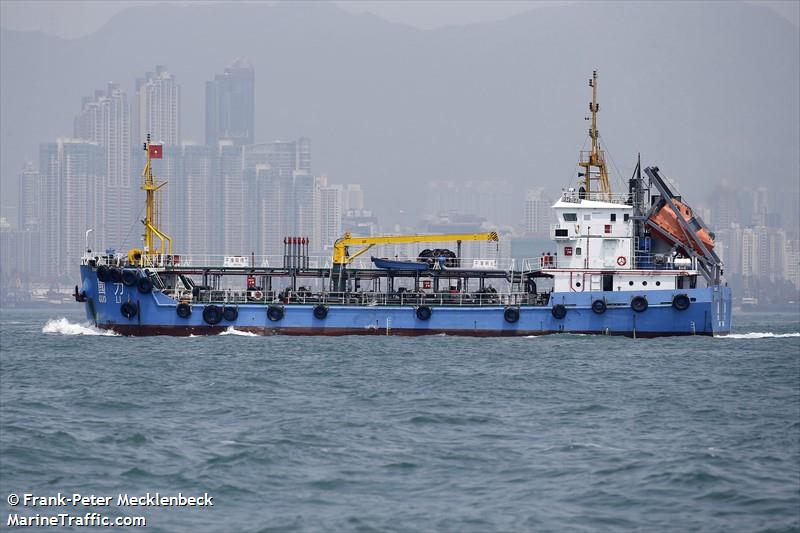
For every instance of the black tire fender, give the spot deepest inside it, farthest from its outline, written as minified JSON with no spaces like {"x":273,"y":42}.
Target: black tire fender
{"x":230,"y":314}
{"x":129,"y":310}
{"x":511,"y":314}
{"x":212,"y":314}
{"x":275,"y":312}
{"x":144,"y":285}
{"x":639,"y":304}
{"x":424,"y":312}
{"x":129,"y":278}
{"x":321,"y":312}
{"x":559,"y":311}
{"x":184,"y":310}
{"x":681,"y":302}
{"x":599,"y":306}
{"x":102,"y":273}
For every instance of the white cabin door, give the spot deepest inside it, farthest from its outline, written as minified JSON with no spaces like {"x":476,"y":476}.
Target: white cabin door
{"x":596,"y":282}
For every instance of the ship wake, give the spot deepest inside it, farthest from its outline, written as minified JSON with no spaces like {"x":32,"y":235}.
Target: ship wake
{"x":759,"y":335}
{"x":62,"y":326}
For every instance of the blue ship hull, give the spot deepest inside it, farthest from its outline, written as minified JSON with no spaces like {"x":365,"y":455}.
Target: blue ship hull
{"x":708,"y":314}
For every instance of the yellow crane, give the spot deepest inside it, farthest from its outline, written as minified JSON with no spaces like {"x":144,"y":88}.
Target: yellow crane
{"x":342,"y":256}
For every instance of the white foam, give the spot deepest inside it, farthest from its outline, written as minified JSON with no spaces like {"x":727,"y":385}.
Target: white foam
{"x":62,"y":326}
{"x":759,"y":335}
{"x":232,"y":331}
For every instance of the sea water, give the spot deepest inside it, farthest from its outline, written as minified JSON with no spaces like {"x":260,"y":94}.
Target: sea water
{"x":555,"y":433}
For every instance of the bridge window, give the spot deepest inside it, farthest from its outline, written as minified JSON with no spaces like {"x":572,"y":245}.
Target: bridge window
{"x":626,"y":216}
{"x":587,"y":217}
{"x":613,"y":217}
{"x":570,"y":217}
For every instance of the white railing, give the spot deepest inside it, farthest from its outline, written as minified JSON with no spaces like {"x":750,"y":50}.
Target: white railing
{"x":574,"y":196}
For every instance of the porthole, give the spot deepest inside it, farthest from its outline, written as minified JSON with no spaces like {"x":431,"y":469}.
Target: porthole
{"x":630,"y":283}
{"x":658,"y":283}
{"x":578,"y":284}
{"x":644,"y":283}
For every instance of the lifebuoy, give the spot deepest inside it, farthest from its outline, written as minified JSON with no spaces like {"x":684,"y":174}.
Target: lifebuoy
{"x":320,"y":312}
{"x":681,"y":302}
{"x":622,"y":261}
{"x":129,"y":278}
{"x":424,"y":312}
{"x":212,"y":314}
{"x":145,"y":286}
{"x":639,"y":304}
{"x":230,"y":314}
{"x":128,"y":310}
{"x":511,"y":314}
{"x":275,"y":312}
{"x":102,"y":273}
{"x":184,"y":310}
{"x":258,"y":295}
{"x":599,"y":306}
{"x":559,"y":311}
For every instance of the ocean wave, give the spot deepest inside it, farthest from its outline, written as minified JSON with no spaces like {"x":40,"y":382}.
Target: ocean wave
{"x":759,"y":335}
{"x":62,"y":326}
{"x":232,"y":331}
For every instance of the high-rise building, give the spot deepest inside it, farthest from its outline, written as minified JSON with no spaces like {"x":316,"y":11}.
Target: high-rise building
{"x":352,"y":197}
{"x":791,"y":262}
{"x":73,"y":181}
{"x":725,"y":208}
{"x":329,"y":216}
{"x":105,"y":120}
{"x":230,"y":105}
{"x":489,"y":199}
{"x":283,"y":158}
{"x":537,"y":212}
{"x":30,"y":199}
{"x":156,"y":109}
{"x":200,"y":207}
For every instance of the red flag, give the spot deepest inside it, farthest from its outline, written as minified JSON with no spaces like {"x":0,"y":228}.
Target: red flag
{"x":155,"y":151}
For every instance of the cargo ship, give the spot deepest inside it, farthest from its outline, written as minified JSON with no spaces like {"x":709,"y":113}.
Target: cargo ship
{"x":639,"y":263}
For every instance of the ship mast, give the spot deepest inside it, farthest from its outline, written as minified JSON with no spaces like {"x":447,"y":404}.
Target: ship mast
{"x":153,"y":254}
{"x":594,"y":159}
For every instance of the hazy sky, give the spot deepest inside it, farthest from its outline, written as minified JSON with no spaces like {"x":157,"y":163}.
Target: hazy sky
{"x":76,"y":18}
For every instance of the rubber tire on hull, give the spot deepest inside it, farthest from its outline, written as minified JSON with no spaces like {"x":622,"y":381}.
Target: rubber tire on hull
{"x":102,"y":273}
{"x":320,"y":312}
{"x":639,"y":304}
{"x":559,"y":311}
{"x":115,"y":275}
{"x":129,"y":277}
{"x":681,"y":302}
{"x":212,"y":314}
{"x":184,"y":310}
{"x":511,"y":314}
{"x":145,"y":286}
{"x":128,"y":310}
{"x":230,"y":314}
{"x":424,"y":312}
{"x":275,"y":312}
{"x":599,"y":306}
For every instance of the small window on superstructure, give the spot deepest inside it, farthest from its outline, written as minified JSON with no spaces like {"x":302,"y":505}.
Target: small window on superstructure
{"x":570,"y":217}
{"x":626,"y":216}
{"x":587,"y":217}
{"x":578,"y":251}
{"x":613,"y":217}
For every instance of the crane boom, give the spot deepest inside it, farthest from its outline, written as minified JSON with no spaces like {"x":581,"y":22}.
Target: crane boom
{"x":341,"y":255}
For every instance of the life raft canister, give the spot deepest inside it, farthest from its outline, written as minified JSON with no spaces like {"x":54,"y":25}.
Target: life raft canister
{"x":622,"y":261}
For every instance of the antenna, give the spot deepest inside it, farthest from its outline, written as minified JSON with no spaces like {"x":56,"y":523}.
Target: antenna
{"x":594,"y":158}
